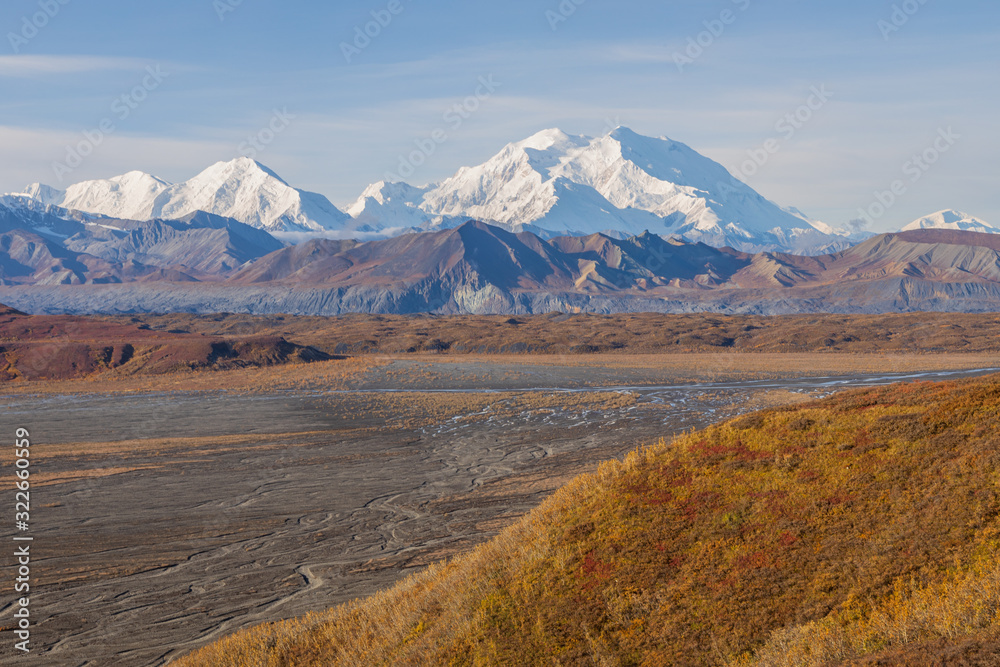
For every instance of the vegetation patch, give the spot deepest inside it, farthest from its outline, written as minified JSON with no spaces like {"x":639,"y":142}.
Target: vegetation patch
{"x":586,"y":334}
{"x":863,"y":529}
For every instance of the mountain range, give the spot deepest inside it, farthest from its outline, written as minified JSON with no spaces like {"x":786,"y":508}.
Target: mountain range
{"x":48,"y":245}
{"x":955,"y":220}
{"x":554,"y":183}
{"x":57,"y":261}
{"x":555,"y":222}
{"x":551,"y":183}
{"x":241,"y":189}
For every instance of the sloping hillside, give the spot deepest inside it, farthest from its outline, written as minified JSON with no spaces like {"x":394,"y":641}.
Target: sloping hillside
{"x":209,"y":265}
{"x":645,"y":333}
{"x":47,"y":245}
{"x":59,"y":347}
{"x":201,"y":243}
{"x":863,"y":529}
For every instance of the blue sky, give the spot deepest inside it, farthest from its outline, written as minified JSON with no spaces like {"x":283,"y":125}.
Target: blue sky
{"x":225,"y":67}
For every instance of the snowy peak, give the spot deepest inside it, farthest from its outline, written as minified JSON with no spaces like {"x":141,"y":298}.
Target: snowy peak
{"x":384,"y":193}
{"x":252,"y":193}
{"x":548,"y":148}
{"x":673,"y":162}
{"x":129,"y":196}
{"x":45,"y":194}
{"x":388,"y":206}
{"x":242,"y":169}
{"x":552,"y":183}
{"x":242,"y":189}
{"x":552,"y":138}
{"x":622,"y":182}
{"x":952,"y":219}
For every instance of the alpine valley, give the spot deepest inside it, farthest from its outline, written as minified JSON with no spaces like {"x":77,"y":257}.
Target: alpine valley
{"x":618,"y":223}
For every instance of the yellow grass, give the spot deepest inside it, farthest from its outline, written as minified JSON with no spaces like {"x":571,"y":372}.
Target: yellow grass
{"x":811,"y":534}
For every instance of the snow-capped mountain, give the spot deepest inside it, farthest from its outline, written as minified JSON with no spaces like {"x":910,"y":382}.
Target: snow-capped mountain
{"x":621,"y":182}
{"x":952,"y":219}
{"x":26,"y":213}
{"x":43,"y":244}
{"x":242,"y":189}
{"x":385,"y":206}
{"x":551,"y":183}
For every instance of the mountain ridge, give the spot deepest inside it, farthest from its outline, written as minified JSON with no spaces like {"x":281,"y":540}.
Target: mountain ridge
{"x":242,"y":189}
{"x":47,"y":245}
{"x":622,"y":181}
{"x":552,"y":183}
{"x":951,"y":219}
{"x":483,"y":269}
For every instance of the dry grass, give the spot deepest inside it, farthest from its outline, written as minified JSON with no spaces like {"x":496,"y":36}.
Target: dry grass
{"x":354,"y":373}
{"x":964,"y":604}
{"x":584,"y":334}
{"x":323,"y":375}
{"x":744,"y":364}
{"x":819,"y":533}
{"x":685,"y":346}
{"x":190,"y":446}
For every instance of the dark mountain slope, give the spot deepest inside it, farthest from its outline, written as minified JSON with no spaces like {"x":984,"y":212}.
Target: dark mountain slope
{"x":47,"y":245}
{"x":201,"y":243}
{"x":478,"y":268}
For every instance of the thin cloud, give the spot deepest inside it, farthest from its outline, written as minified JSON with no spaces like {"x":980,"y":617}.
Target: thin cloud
{"x":32,"y":65}
{"x":630,"y":53}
